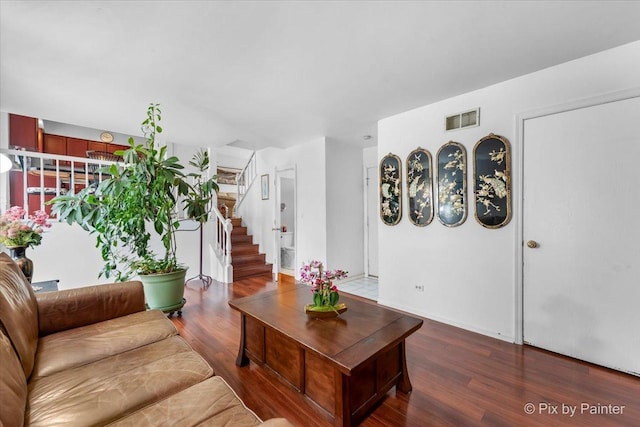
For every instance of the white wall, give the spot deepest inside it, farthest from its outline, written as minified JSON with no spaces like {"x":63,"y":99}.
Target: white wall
{"x":370,"y":248}
{"x":4,"y":143}
{"x":468,"y":272}
{"x":345,"y":210}
{"x":311,"y":182}
{"x":69,"y":254}
{"x":370,"y":157}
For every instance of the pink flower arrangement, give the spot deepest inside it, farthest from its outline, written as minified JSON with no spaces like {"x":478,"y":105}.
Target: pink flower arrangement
{"x":18,"y":230}
{"x":325,"y":293}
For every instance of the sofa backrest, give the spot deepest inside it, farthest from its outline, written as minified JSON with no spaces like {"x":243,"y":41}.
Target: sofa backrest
{"x":18,"y":312}
{"x":13,"y":385}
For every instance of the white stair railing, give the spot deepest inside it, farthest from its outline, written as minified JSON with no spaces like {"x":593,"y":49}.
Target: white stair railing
{"x":51,"y":175}
{"x":222,"y":243}
{"x":245,"y":180}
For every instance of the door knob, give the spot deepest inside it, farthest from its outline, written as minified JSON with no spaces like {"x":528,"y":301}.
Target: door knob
{"x":532,"y":244}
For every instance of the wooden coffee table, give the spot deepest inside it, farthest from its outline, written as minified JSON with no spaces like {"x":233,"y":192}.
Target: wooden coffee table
{"x":345,"y":365}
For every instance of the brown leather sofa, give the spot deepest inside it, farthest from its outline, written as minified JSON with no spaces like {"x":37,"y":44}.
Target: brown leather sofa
{"x":94,"y":356}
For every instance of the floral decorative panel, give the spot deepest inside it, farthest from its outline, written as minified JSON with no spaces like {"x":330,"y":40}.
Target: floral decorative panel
{"x":391,"y":189}
{"x":419,"y":187}
{"x":492,"y":181}
{"x":452,"y":184}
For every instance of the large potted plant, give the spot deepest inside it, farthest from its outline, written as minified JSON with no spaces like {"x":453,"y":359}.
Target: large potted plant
{"x":143,"y":195}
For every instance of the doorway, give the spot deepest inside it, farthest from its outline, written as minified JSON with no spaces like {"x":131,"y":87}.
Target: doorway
{"x":286,"y":221}
{"x":580,"y":234}
{"x":371,"y":184}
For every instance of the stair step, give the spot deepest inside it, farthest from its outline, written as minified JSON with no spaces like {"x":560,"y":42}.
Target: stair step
{"x":238,"y":230}
{"x":251,"y":270}
{"x":241,"y":238}
{"x":243,"y":249}
{"x":254,"y":258}
{"x":246,"y":259}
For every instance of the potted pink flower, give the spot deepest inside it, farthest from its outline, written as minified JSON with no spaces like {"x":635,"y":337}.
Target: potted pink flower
{"x":325,"y":293}
{"x":19,"y":232}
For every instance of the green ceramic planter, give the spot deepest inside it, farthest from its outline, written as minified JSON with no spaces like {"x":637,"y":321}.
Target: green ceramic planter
{"x":164,"y":291}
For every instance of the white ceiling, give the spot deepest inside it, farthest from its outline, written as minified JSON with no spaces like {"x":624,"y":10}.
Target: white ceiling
{"x":279,"y":73}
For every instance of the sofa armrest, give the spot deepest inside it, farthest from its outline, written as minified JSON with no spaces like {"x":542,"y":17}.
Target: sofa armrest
{"x":71,"y":308}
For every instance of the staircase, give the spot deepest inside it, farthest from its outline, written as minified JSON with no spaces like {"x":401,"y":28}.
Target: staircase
{"x":246,"y":259}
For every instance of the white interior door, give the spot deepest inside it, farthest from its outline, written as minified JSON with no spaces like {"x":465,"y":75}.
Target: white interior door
{"x":285,"y":221}
{"x":581,"y":204}
{"x":372,"y":220}
{"x":275,"y":195}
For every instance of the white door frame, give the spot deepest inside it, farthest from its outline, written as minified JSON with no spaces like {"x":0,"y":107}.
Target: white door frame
{"x":519,"y":184}
{"x":365,"y":201}
{"x":277,"y":172}
{"x":367,"y":225}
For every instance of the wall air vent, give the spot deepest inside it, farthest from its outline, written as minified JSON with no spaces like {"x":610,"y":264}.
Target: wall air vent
{"x":463,"y":120}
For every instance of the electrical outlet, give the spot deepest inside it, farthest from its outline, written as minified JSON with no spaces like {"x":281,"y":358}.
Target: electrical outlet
{"x":420,"y":288}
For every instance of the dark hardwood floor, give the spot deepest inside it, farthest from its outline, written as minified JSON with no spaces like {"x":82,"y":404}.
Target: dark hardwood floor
{"x":459,"y":378}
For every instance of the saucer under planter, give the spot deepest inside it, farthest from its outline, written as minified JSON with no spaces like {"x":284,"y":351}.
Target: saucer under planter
{"x":324,"y":312}
{"x":165,"y":291}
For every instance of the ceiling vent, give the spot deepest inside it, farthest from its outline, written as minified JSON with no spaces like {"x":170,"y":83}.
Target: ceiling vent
{"x":463,"y":120}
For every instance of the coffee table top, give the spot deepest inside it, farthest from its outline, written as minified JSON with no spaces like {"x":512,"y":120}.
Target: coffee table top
{"x":348,"y":340}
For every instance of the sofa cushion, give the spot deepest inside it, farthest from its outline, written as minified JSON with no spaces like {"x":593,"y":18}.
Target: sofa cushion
{"x":103,"y":391}
{"x":13,"y":385}
{"x":221,"y":407}
{"x":87,"y":344}
{"x":18,"y":312}
{"x":73,"y":308}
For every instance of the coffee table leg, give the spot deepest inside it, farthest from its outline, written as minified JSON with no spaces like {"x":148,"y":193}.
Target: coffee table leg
{"x":342,"y":412}
{"x":404,"y":385}
{"x":242,"y":359}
